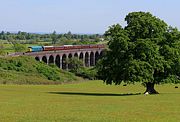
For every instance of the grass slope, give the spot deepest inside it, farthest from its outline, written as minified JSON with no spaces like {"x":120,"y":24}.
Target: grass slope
{"x":25,"y":70}
{"x":88,"y":102}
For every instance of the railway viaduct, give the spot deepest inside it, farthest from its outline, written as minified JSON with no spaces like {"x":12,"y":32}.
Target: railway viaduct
{"x":89,"y":56}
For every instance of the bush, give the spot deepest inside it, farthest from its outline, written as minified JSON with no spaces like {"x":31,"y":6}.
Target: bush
{"x":48,"y":72}
{"x":172,"y":79}
{"x":89,"y":73}
{"x":78,"y":69}
{"x":17,"y":64}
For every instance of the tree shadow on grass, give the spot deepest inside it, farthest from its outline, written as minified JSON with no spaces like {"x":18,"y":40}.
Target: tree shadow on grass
{"x":93,"y":94}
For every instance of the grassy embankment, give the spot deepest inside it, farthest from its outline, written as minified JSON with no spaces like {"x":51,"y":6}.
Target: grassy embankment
{"x":88,"y":102}
{"x":25,"y":70}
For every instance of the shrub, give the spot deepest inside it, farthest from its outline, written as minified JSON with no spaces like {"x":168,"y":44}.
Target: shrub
{"x":89,"y":73}
{"x":48,"y":72}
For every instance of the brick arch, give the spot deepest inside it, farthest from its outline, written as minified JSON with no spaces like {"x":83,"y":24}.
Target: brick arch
{"x":86,"y":59}
{"x":44,"y":59}
{"x":81,"y":56}
{"x":69,"y":57}
{"x":57,"y":61}
{"x":51,"y":59}
{"x":37,"y":58}
{"x":97,"y":55}
{"x":64,"y":63}
{"x":76,"y":55}
{"x":92,"y":59}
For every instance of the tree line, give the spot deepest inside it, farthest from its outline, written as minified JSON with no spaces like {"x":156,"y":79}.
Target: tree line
{"x":52,"y":37}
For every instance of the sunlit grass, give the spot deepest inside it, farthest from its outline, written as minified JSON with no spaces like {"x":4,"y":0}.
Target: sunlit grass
{"x":88,"y":102}
{"x":7,"y":47}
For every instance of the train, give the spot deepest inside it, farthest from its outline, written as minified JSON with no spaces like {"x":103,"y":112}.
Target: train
{"x":63,"y":47}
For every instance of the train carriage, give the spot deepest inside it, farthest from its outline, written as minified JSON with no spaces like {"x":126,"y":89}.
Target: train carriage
{"x":93,"y":46}
{"x":68,"y":47}
{"x":48,"y":48}
{"x":77,"y":47}
{"x":85,"y":46}
{"x":59,"y":48}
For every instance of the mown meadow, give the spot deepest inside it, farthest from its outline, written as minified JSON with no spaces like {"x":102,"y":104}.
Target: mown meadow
{"x":88,"y":101}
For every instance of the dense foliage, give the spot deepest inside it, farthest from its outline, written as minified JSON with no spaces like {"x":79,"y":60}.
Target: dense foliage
{"x":146,"y":50}
{"x":79,"y":70}
{"x":25,"y":70}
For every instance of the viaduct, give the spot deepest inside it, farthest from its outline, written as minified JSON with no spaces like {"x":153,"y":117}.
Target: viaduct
{"x":89,"y":56}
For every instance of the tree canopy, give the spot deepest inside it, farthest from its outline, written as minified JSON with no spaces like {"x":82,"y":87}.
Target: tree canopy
{"x":146,"y":50}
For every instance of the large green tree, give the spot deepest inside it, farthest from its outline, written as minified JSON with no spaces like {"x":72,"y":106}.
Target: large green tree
{"x":145,"y":50}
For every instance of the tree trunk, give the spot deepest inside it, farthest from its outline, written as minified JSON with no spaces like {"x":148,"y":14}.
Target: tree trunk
{"x":150,"y":88}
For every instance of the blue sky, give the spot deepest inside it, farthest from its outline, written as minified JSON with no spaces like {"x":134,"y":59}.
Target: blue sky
{"x":79,"y":16}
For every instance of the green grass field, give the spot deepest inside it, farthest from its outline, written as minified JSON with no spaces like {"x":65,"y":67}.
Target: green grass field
{"x":10,"y":49}
{"x":88,"y":102}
